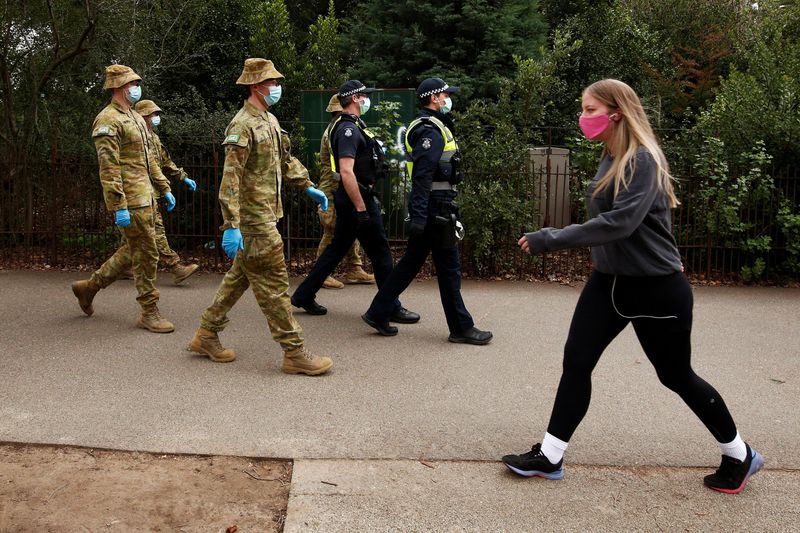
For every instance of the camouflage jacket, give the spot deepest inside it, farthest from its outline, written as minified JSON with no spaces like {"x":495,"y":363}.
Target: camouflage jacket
{"x":257,"y":159}
{"x":165,"y":163}
{"x":126,"y":159}
{"x":327,"y":182}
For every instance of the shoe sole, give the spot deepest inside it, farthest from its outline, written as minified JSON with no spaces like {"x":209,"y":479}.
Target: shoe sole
{"x":464,"y":340}
{"x":755,"y":465}
{"x":178,"y":281}
{"x":555,"y":476}
{"x":308,"y":372}
{"x":333,"y":287}
{"x":142,"y":326}
{"x":359,"y":282}
{"x":199,"y":350}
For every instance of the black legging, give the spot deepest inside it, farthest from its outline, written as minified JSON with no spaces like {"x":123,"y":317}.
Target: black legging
{"x":598,"y":319}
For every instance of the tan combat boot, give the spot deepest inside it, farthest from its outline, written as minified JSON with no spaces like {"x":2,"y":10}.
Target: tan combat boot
{"x":300,"y":361}
{"x":356,"y":275}
{"x":85,"y":291}
{"x":332,"y":283}
{"x":152,"y":320}
{"x":181,"y":272}
{"x":207,"y":342}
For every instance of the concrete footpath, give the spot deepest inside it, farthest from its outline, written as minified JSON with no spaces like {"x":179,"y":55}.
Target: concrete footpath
{"x":406,"y":432}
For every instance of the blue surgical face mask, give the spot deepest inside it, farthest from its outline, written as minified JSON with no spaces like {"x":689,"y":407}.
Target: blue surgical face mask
{"x":133,"y":94}
{"x":273,"y":96}
{"x":364,"y":106}
{"x":155,"y":121}
{"x":447,"y":106}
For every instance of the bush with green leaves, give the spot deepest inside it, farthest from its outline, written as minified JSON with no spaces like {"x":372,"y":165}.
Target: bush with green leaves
{"x":726,"y":193}
{"x":788,"y":219}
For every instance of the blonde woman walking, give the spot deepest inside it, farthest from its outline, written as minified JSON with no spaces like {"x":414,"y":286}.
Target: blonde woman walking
{"x":638,"y":278}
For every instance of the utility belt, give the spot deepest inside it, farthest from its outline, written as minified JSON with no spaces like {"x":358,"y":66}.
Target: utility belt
{"x":368,"y":193}
{"x":444,"y":207}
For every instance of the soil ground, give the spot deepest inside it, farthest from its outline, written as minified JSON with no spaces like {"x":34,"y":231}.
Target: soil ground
{"x":54,"y":489}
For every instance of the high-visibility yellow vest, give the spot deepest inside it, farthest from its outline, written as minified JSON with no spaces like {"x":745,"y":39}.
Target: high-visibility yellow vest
{"x":450,"y":145}
{"x":332,"y":127}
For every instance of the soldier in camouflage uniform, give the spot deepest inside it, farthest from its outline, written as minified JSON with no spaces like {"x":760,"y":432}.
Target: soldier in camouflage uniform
{"x":152,"y":117}
{"x":257,"y":160}
{"x":128,"y":173}
{"x":329,"y":183}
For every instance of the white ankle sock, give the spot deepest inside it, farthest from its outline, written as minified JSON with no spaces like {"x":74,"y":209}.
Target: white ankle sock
{"x":734,"y":448}
{"x":553,"y":448}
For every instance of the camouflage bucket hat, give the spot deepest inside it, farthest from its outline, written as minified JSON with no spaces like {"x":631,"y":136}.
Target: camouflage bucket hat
{"x":257,"y":70}
{"x":147,"y":107}
{"x":119,"y":75}
{"x":333,"y":104}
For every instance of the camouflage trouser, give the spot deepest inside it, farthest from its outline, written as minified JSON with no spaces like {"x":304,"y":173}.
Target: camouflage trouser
{"x":260,"y":265}
{"x":138,"y":249}
{"x":166,"y":254}
{"x":328,"y":221}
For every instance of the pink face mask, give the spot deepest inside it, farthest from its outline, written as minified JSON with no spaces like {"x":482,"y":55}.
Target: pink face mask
{"x":594,"y":126}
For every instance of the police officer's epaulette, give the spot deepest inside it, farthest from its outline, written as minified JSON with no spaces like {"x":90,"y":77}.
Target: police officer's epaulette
{"x":424,"y":121}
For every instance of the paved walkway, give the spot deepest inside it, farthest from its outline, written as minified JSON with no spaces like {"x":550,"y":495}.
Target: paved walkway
{"x":406,"y":431}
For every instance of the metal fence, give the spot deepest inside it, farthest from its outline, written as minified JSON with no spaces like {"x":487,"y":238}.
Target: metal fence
{"x":70,"y":228}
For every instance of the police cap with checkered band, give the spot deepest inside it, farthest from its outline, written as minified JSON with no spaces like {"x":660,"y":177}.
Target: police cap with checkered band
{"x":432,"y":86}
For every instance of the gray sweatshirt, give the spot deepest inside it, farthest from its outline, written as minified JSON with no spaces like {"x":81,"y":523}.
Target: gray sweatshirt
{"x":630,"y":235}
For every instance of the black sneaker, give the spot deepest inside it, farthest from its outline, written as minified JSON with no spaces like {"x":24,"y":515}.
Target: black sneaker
{"x":732,"y":474}
{"x":534,"y":463}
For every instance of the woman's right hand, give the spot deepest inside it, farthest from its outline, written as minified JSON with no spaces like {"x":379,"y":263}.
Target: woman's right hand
{"x":523,"y":244}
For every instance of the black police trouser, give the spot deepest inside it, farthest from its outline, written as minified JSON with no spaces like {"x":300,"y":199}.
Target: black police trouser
{"x":448,"y":274}
{"x":373,"y":240}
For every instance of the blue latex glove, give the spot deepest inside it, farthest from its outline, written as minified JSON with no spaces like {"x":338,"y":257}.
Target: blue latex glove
{"x":318,"y":196}
{"x":232,"y":241}
{"x":122,"y":217}
{"x":190,"y":183}
{"x":170,"y":201}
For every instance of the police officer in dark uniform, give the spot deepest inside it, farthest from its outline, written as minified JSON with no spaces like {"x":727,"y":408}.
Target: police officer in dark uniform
{"x":434,"y":169}
{"x":358,"y":159}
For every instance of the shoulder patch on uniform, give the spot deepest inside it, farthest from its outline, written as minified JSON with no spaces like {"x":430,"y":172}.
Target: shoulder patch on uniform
{"x":237,"y":139}
{"x":426,"y":143}
{"x":348,"y":132}
{"x":101,"y":130}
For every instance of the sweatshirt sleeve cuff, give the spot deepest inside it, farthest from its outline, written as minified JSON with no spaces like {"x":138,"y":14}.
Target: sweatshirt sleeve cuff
{"x":536,"y":242}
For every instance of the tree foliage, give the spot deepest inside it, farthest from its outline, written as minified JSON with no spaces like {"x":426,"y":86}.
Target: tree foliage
{"x":398,"y":43}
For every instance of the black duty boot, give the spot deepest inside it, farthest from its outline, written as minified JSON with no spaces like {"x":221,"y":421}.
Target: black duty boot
{"x":312,"y":308}
{"x":472,"y":336}
{"x":404,"y":316}
{"x":384,"y":328}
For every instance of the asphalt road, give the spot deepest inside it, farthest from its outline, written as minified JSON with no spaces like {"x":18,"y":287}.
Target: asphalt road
{"x":101,"y":382}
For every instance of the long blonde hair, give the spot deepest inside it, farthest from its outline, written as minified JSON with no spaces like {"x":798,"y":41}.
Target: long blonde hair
{"x":632,"y":131}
